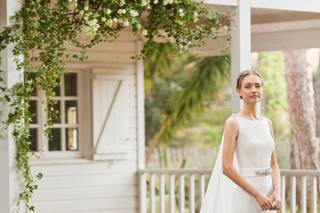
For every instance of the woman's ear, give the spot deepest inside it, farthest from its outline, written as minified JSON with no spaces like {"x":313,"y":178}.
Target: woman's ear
{"x":239,"y":93}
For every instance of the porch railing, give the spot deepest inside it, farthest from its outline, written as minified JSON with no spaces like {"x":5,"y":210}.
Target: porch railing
{"x":182,"y":190}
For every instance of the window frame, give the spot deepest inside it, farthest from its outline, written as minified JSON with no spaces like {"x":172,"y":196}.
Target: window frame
{"x":81,"y":98}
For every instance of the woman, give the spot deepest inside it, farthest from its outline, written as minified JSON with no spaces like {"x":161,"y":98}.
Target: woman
{"x":246,"y":175}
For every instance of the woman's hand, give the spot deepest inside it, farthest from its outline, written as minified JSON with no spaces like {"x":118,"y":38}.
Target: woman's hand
{"x":264,"y":202}
{"x":275,"y":200}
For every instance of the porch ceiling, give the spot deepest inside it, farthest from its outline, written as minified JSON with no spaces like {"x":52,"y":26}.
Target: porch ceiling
{"x":289,"y":5}
{"x":271,"y":29}
{"x":271,"y":20}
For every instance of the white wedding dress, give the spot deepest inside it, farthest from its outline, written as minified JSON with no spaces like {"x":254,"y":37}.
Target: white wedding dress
{"x":253,"y":153}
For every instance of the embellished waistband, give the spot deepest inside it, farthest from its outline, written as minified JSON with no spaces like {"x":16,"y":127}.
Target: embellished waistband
{"x":253,"y":172}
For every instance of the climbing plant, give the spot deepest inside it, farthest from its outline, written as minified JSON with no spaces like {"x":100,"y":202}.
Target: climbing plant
{"x":38,"y":34}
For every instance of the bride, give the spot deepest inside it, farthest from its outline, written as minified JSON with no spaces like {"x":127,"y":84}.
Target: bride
{"x":246,"y":175}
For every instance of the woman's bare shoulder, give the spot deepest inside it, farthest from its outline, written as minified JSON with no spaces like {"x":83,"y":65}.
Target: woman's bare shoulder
{"x":267,"y":119}
{"x":270,"y":124}
{"x":232,"y":122}
{"x":231,"y":128}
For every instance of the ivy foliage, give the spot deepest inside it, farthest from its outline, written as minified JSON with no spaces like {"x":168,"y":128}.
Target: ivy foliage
{"x":38,"y":34}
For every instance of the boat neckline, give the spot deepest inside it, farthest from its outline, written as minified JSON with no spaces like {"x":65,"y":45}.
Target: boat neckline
{"x":250,"y":119}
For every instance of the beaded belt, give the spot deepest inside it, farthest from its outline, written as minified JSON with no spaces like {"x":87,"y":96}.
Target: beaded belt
{"x":252,"y":172}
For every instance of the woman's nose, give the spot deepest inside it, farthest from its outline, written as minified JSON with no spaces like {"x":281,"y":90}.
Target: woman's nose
{"x":255,"y":89}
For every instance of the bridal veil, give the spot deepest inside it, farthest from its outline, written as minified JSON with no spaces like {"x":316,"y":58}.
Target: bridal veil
{"x":217,"y":198}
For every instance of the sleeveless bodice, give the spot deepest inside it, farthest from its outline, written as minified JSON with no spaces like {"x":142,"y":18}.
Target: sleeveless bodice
{"x":254,"y":147}
{"x":254,"y":143}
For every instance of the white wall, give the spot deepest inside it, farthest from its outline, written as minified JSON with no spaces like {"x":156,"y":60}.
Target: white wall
{"x":110,"y":183}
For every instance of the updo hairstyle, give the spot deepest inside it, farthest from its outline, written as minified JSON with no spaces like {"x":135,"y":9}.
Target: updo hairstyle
{"x":245,"y":73}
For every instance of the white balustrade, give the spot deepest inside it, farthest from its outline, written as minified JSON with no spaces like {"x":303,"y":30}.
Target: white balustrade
{"x":283,"y":194}
{"x":182,"y":190}
{"x":172,"y":194}
{"x":152,"y":194}
{"x":162,"y":193}
{"x":202,"y":187}
{"x":304,"y":194}
{"x":181,"y":194}
{"x":293,"y":188}
{"x":192,"y":194}
{"x":314,"y":207}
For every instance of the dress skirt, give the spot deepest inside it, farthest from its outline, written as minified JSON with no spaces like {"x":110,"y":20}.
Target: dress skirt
{"x":242,"y":202}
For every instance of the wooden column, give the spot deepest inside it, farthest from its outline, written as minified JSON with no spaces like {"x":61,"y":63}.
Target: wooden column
{"x":141,"y":129}
{"x":140,"y":108}
{"x":9,"y":180}
{"x":240,"y":47}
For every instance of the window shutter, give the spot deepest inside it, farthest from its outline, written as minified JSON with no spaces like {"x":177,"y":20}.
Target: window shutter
{"x":111,"y":97}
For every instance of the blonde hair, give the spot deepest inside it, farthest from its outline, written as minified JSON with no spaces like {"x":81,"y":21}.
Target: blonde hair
{"x":244,"y":74}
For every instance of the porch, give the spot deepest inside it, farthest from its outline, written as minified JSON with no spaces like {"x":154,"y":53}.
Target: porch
{"x":182,"y":190}
{"x":109,"y":174}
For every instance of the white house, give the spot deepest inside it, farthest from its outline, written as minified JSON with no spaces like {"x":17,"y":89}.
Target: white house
{"x":95,"y":163}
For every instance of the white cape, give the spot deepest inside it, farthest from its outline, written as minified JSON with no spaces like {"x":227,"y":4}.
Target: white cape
{"x":220,"y":188}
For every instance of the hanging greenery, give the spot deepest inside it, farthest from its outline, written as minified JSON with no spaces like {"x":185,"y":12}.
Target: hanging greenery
{"x":38,"y":34}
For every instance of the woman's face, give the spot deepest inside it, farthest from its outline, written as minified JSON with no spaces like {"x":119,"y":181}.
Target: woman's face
{"x":251,"y":89}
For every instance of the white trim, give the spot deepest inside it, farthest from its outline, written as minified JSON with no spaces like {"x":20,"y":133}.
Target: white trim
{"x":67,"y":98}
{"x":10,"y":183}
{"x":140,"y":109}
{"x":62,"y":113}
{"x":240,"y":47}
{"x":85,"y":140}
{"x":221,"y":2}
{"x":51,"y":161}
{"x":291,"y":5}
{"x":110,"y":70}
{"x":43,"y":147}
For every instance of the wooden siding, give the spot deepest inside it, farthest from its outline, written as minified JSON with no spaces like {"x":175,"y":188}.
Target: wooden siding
{"x":106,"y":185}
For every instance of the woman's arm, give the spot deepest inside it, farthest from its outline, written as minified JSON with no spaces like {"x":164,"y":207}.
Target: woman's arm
{"x":275,"y":173}
{"x":275,"y":198}
{"x":231,"y":132}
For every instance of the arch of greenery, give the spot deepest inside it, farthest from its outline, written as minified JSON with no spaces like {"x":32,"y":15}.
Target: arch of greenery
{"x":38,"y":32}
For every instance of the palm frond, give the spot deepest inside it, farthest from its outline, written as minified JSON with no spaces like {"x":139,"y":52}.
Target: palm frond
{"x":209,"y":75}
{"x":160,"y":60}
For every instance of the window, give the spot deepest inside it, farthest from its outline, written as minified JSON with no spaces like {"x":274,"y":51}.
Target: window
{"x":64,"y":140}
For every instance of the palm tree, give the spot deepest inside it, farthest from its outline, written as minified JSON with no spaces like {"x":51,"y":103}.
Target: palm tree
{"x":190,"y":81}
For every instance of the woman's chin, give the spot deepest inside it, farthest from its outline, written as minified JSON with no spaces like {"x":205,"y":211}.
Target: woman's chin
{"x":256,"y":99}
{"x":253,"y":101}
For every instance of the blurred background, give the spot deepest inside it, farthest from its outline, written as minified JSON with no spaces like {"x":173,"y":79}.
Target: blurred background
{"x":188,"y":99}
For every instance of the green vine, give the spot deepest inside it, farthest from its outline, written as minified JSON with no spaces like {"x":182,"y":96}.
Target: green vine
{"x":39,"y":32}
